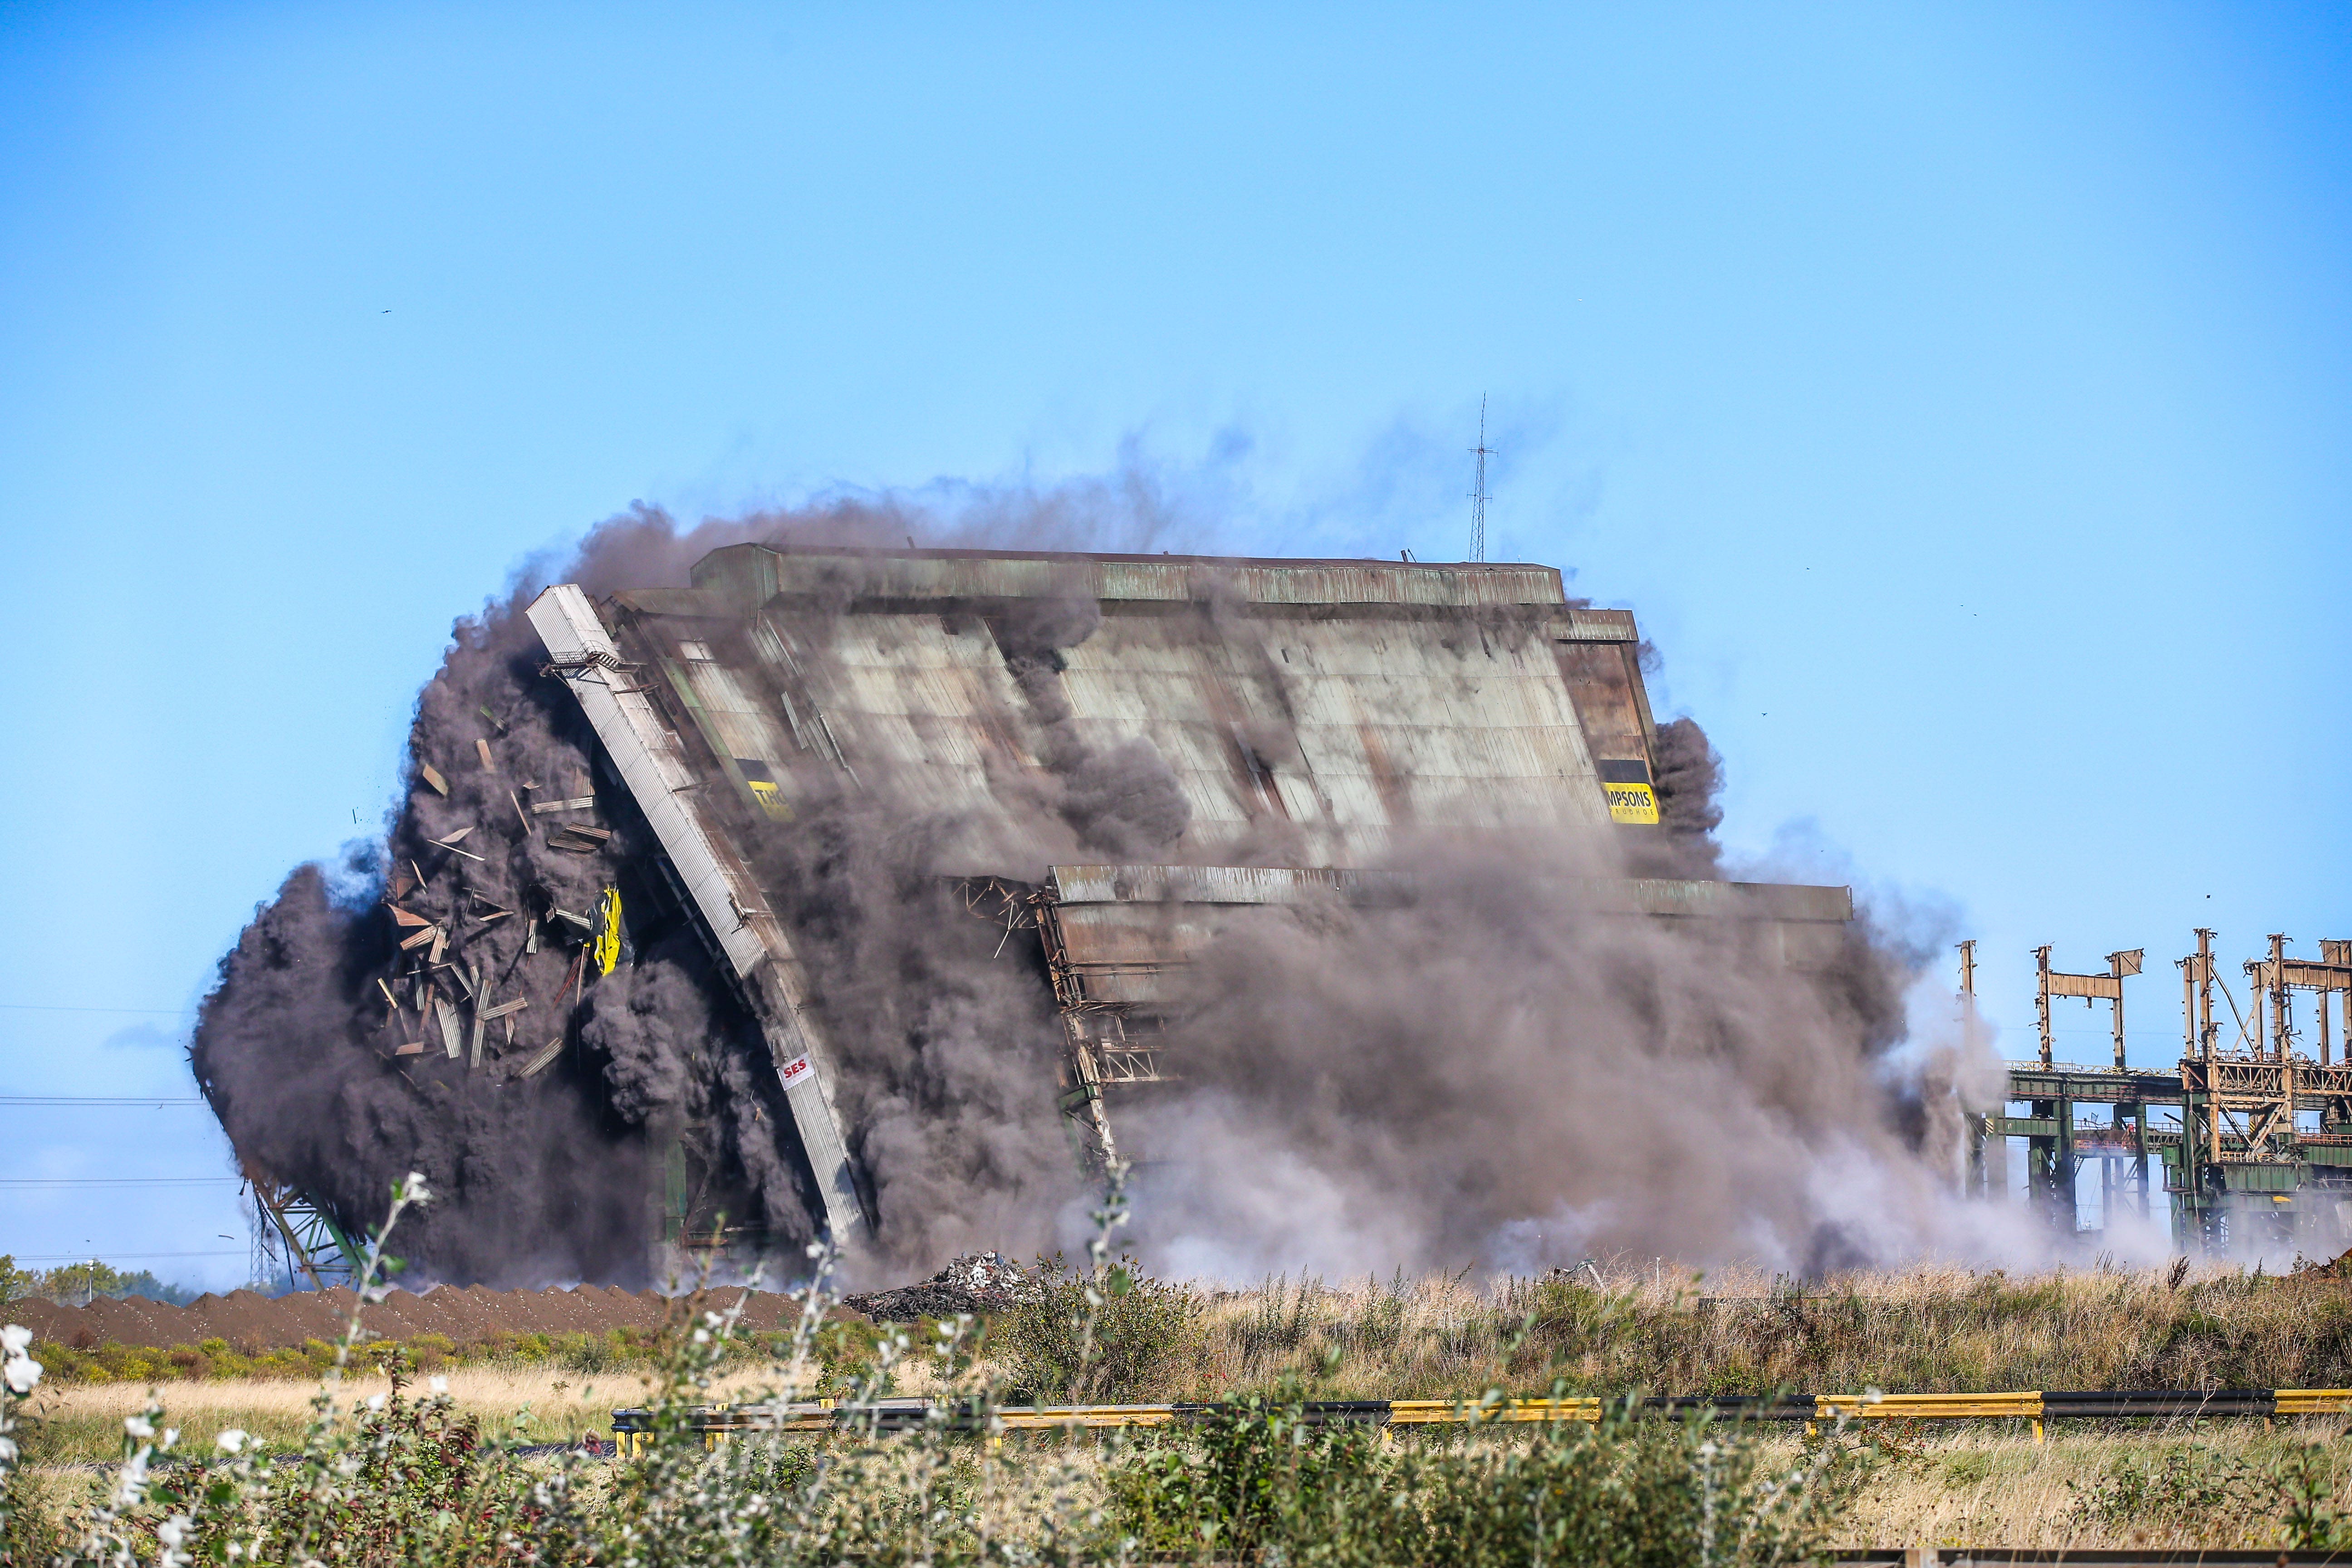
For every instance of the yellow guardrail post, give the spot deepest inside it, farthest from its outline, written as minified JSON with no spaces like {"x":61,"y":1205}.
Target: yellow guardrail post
{"x":1474,"y":1412}
{"x":2313,"y":1401}
{"x":2023,"y":1405}
{"x":1047,"y":1417}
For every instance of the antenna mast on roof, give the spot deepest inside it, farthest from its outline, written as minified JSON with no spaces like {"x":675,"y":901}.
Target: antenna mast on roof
{"x":1479,"y":491}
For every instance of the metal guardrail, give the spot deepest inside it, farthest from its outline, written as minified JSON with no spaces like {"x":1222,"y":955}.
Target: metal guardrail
{"x":633,"y":1429}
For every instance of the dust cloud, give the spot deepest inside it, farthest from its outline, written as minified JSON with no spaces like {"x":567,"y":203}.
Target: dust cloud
{"x":1489,"y":1070}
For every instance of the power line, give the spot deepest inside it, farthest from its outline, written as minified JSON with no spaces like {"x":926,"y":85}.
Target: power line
{"x":93,"y":1258}
{"x":53,"y":1008}
{"x":111,"y":1180}
{"x":100,"y":1099}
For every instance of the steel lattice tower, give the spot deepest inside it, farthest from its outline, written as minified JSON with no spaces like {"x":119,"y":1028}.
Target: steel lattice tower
{"x":1478,"y":490}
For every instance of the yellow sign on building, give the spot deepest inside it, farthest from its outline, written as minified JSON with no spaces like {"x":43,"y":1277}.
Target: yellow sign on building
{"x":761,"y":779}
{"x":606,"y":951}
{"x":1631,"y":797}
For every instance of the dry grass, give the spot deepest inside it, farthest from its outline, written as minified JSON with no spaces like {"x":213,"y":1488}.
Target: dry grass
{"x":1979,"y":1485}
{"x":84,"y":1424}
{"x":1922,"y":1331}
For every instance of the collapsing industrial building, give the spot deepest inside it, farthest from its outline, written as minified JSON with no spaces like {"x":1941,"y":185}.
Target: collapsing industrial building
{"x":1317,"y":706}
{"x":777,"y":880}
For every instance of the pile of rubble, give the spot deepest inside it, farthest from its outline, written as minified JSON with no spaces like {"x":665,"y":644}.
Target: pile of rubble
{"x":978,"y":1283}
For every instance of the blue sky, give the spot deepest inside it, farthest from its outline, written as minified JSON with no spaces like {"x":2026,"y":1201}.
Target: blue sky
{"x":1957,"y":394}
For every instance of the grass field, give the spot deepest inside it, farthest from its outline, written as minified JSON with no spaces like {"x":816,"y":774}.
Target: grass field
{"x":2214,"y":1483}
{"x":1922,"y":1331}
{"x":1606,"y":1331}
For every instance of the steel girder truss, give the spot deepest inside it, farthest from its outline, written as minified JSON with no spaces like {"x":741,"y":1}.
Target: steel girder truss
{"x":2255,"y":1103}
{"x":302,"y":1236}
{"x":1103,"y":1043}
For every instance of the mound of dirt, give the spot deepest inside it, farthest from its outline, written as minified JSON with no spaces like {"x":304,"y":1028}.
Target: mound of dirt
{"x":977,"y":1283}
{"x":252,"y":1323}
{"x":2309,"y":1271}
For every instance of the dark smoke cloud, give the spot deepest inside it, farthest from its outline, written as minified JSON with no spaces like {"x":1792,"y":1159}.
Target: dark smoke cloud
{"x":1690,"y":777}
{"x":1488,"y":1071}
{"x":548,"y":1177}
{"x":941,"y":1023}
{"x":295,"y":1047}
{"x":1125,"y":801}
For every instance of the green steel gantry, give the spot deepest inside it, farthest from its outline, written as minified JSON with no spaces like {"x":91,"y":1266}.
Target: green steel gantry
{"x":2255,"y":1145}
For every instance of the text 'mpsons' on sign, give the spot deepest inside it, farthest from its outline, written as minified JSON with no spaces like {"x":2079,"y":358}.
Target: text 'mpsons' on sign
{"x":1631,"y":797}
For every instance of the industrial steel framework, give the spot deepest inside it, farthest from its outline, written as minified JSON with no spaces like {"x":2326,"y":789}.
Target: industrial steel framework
{"x":2258,"y":1143}
{"x":298,"y":1235}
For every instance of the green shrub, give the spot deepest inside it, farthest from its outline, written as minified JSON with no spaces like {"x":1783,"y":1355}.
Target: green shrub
{"x":1075,"y":1342}
{"x":1261,"y":1481}
{"x":1257,"y":1475}
{"x":2183,"y":1484}
{"x":2305,"y":1483}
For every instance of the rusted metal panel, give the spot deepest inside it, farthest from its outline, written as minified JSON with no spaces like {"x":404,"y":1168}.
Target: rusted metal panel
{"x":1130,"y":936}
{"x":1652,"y":896}
{"x":688,"y":603}
{"x":2103,"y":986}
{"x":1584,"y":623}
{"x":1604,"y":681}
{"x":1120,"y":935}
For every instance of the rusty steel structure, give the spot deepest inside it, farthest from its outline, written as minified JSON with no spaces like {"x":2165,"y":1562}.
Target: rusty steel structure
{"x":2251,"y":1131}
{"x":1339,"y":701}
